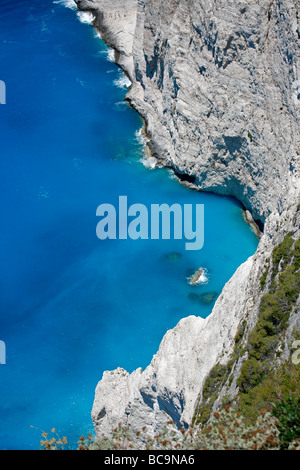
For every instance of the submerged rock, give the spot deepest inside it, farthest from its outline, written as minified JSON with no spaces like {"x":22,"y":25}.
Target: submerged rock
{"x":173,"y":256}
{"x":205,"y":298}
{"x":208,"y":297}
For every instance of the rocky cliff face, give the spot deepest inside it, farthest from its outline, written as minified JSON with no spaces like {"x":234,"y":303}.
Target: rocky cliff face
{"x":217,"y":82}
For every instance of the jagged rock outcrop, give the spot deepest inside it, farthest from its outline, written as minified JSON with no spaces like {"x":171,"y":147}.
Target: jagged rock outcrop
{"x":217,"y":83}
{"x":117,"y":22}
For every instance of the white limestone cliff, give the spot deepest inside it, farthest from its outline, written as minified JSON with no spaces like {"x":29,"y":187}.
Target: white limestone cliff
{"x":217,"y":83}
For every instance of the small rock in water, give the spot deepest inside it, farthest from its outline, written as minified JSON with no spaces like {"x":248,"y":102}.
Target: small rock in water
{"x":198,"y":277}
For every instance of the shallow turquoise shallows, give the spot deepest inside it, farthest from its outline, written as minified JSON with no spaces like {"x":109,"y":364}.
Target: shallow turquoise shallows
{"x":71,"y":305}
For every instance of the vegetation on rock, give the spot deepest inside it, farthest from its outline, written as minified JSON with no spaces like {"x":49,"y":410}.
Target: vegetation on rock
{"x":264,"y":381}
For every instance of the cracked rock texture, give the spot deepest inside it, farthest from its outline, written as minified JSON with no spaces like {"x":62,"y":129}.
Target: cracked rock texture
{"x":217,"y":83}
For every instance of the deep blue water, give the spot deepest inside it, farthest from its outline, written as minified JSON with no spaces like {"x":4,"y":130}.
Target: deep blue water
{"x":72,"y":306}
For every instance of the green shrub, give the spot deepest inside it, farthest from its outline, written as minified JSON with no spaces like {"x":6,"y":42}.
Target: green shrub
{"x":265,"y":274}
{"x":263,"y":278}
{"x":297,"y":255}
{"x":278,"y":383}
{"x":240,"y":332}
{"x":252,"y":372}
{"x":287,"y":412}
{"x":215,"y":377}
{"x":282,"y":253}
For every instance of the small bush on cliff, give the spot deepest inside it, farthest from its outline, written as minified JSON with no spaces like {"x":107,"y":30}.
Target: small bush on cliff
{"x":287,"y":412}
{"x":282,"y":253}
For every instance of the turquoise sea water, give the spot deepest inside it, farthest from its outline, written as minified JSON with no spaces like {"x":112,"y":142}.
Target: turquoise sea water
{"x":72,"y":306}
